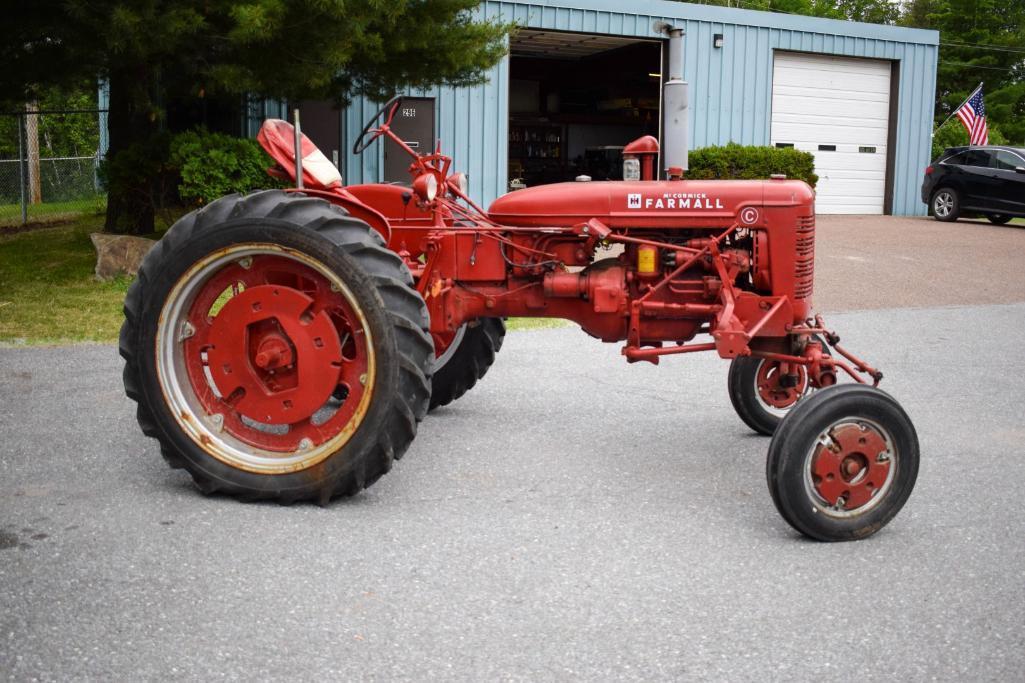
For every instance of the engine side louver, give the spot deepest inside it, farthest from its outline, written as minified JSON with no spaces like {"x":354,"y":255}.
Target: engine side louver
{"x":804,"y":262}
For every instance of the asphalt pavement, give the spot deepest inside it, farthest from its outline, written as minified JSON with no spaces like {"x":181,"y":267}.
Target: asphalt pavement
{"x":573,"y":517}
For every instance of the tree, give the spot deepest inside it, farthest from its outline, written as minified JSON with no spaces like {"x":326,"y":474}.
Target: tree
{"x":980,"y":41}
{"x":160,"y":53}
{"x":872,"y":11}
{"x":60,"y":135}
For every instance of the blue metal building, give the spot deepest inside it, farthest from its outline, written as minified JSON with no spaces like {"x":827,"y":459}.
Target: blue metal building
{"x":859,"y":96}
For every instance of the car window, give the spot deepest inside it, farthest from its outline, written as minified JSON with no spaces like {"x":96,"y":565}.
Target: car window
{"x":1006,"y":161}
{"x":956,"y":160}
{"x":977,"y":157}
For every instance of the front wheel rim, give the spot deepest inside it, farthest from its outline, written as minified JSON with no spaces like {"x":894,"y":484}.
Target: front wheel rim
{"x":850,"y":468}
{"x":772,"y":396}
{"x":265,"y":358}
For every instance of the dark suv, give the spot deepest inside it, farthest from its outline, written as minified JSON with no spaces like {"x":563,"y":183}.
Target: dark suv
{"x":976,"y":180}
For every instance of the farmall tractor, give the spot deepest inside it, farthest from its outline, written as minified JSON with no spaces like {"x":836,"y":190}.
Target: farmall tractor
{"x":284,"y":345}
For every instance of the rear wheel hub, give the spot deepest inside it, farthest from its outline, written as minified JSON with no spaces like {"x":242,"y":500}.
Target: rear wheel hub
{"x":267,"y":358}
{"x":276,"y":358}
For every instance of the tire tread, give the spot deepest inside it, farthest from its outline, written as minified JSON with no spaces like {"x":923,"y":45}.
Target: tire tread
{"x":469,"y":364}
{"x":405,"y":310}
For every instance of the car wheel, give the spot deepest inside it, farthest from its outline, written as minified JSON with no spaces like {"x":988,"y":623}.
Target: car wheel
{"x":946,"y":206}
{"x":998,"y":218}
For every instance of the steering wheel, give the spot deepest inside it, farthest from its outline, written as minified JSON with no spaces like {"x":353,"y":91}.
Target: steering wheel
{"x":367,"y":137}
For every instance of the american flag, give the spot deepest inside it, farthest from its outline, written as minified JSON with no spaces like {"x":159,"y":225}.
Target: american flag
{"x":973,"y":115}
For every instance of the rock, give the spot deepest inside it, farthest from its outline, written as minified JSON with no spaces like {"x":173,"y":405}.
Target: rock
{"x":119,"y":254}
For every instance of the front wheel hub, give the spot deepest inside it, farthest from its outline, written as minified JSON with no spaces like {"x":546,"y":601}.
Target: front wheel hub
{"x":777,"y":387}
{"x":850,"y":467}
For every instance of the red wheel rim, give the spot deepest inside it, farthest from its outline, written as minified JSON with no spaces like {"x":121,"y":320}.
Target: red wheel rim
{"x":851,"y":466}
{"x":271,"y":352}
{"x":771,"y":388}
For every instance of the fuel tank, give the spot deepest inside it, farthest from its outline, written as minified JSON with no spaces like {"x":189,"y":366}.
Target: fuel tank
{"x":650,"y":204}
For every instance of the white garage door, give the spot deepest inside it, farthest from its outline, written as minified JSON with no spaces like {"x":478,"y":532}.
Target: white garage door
{"x":838,"y":109}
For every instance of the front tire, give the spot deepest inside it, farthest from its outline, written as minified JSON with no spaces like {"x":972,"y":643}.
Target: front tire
{"x":843,"y":463}
{"x":998,"y":218}
{"x":276,"y":349}
{"x":946,"y":205}
{"x":759,"y":394}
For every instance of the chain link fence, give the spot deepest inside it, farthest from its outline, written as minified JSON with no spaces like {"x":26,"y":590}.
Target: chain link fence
{"x":49,"y":165}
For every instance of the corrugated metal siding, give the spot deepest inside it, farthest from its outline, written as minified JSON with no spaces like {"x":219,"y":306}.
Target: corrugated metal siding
{"x":731,"y":88}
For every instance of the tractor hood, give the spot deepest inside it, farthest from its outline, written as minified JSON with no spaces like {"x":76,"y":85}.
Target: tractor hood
{"x":649,"y":204}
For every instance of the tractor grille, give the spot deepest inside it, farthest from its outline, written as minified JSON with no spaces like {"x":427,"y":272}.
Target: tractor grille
{"x":804,"y":259}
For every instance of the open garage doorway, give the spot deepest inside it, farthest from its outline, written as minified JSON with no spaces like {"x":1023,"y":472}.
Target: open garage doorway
{"x":575,"y":100}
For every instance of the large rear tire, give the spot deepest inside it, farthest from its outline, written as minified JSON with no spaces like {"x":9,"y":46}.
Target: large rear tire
{"x":470,"y":354}
{"x":277,"y":349}
{"x":843,"y":463}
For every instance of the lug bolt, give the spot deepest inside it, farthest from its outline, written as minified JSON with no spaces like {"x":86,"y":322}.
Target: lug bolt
{"x":883,"y":457}
{"x":305,"y":445}
{"x":218,"y":421}
{"x":363,"y":379}
{"x":187,"y":330}
{"x":840,"y":502}
{"x":246,"y":262}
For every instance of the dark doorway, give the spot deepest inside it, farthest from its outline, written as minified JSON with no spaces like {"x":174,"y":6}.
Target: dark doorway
{"x":414,"y":124}
{"x":575,"y":100}
{"x":321,"y":122}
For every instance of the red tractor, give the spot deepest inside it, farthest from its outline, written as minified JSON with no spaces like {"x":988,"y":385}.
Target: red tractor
{"x":285,"y":344}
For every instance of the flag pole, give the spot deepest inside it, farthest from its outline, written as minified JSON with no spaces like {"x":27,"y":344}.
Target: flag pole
{"x":957,"y":109}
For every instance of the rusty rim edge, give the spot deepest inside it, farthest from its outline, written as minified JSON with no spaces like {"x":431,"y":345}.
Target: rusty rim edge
{"x":181,"y":399}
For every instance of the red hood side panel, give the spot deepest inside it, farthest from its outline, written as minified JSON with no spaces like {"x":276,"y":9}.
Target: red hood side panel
{"x":629,"y":204}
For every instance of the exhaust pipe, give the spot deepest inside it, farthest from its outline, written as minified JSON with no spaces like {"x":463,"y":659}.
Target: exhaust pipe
{"x":674,"y":106}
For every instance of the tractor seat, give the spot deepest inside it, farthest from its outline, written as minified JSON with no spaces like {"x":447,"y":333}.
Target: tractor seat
{"x":277,"y":137}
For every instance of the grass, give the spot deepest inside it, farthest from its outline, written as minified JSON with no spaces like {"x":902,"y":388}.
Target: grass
{"x":48,"y":294}
{"x":51,"y":212}
{"x":513,"y":324}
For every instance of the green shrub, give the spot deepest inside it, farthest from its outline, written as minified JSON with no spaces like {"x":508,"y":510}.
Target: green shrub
{"x":953,"y":134}
{"x":211,"y":165}
{"x":751,"y":163}
{"x":142,"y":171}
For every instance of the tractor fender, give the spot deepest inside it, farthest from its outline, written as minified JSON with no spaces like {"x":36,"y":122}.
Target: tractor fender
{"x":340,"y":197}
